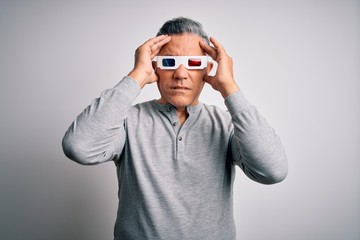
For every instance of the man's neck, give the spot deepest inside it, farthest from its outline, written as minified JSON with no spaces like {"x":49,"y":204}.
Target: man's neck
{"x":182,"y":114}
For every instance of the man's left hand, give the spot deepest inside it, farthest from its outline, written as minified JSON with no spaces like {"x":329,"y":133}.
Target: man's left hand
{"x":223,"y":80}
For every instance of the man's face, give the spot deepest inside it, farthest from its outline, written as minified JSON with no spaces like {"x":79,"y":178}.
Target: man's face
{"x":181,"y":87}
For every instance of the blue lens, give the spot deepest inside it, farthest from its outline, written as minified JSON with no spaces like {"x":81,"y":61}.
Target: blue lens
{"x":168,"y":62}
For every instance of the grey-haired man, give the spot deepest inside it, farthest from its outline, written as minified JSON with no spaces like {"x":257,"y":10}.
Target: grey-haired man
{"x":175,"y":156}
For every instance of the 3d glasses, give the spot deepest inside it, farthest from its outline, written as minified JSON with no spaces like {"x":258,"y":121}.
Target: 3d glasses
{"x":189,"y":62}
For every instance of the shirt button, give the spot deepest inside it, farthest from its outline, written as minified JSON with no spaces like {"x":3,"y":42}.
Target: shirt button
{"x":174,"y":124}
{"x":180,"y":138}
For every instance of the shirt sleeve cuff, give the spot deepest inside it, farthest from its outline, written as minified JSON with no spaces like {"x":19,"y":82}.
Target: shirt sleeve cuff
{"x":236,"y":103}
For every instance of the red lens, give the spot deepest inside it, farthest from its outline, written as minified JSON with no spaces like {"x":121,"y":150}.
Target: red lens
{"x":194,"y":62}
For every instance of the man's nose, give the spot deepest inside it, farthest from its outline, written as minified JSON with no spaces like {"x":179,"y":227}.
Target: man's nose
{"x":181,"y":73}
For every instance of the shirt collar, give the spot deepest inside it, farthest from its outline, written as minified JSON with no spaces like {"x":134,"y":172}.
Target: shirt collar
{"x":168,"y":107}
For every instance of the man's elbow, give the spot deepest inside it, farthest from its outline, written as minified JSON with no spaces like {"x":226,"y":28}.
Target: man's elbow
{"x":74,"y":151}
{"x":278,"y":172}
{"x":277,"y":176}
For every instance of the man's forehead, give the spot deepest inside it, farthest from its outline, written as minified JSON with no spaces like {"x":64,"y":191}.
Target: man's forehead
{"x":184,"y":44}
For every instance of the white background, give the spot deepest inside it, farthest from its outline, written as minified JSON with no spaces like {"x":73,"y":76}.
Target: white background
{"x":297,"y":61}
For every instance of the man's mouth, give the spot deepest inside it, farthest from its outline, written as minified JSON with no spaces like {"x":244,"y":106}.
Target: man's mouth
{"x":181,"y":88}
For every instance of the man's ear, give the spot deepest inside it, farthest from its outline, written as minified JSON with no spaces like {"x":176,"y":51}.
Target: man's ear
{"x":154,"y":65}
{"x":209,"y":67}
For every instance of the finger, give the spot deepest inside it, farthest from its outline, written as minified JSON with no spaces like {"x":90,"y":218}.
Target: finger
{"x":219,"y":48}
{"x":155,"y":40}
{"x":208,"y":49}
{"x":155,"y":48}
{"x":159,"y":44}
{"x":217,"y":45}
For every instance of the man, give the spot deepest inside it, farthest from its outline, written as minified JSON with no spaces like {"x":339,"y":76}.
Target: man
{"x":175,"y":156}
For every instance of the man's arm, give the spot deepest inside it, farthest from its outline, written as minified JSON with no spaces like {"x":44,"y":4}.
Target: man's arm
{"x":255,"y":146}
{"x":97,"y":135}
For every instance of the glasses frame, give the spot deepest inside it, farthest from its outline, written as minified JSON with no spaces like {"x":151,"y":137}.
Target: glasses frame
{"x":184,"y":60}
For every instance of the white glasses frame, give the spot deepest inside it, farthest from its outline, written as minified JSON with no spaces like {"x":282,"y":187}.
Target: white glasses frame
{"x":184,"y":60}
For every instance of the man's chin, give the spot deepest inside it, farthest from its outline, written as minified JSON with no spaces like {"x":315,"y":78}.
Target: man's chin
{"x":179,"y":101}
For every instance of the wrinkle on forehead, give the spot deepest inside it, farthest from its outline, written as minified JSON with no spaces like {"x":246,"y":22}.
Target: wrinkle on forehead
{"x":186,"y":44}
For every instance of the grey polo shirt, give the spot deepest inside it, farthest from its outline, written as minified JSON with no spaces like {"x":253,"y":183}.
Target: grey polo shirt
{"x":175,"y":182}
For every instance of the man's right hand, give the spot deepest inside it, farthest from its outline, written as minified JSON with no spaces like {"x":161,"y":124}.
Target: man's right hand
{"x":143,"y":72}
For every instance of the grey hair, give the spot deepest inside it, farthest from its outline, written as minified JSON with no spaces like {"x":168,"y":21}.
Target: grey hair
{"x":180,"y":25}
